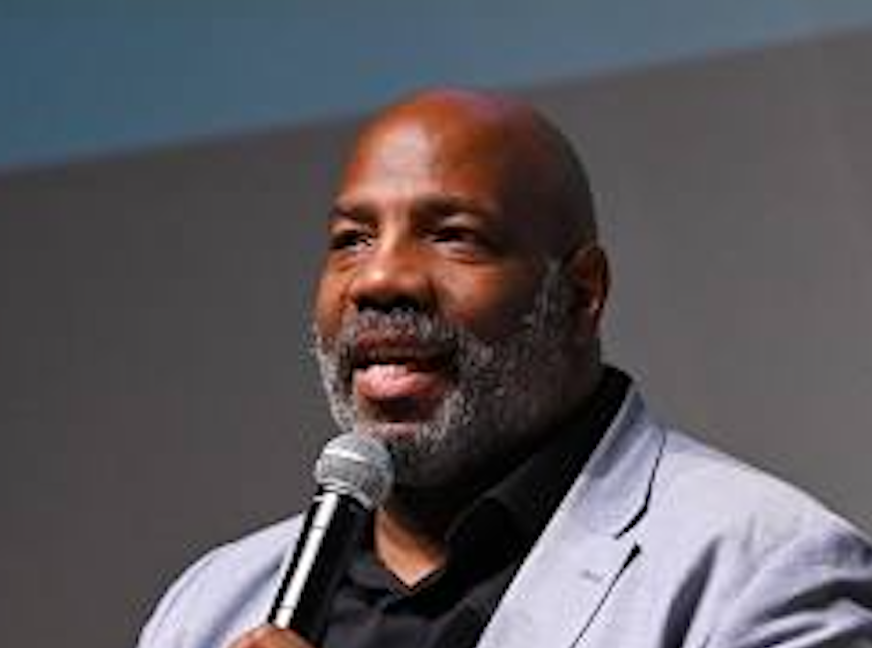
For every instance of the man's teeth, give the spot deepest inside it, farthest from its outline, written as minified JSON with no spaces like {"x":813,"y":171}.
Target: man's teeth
{"x":386,"y":367}
{"x":405,"y":361}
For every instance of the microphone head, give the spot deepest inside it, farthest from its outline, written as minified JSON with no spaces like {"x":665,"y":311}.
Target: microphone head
{"x":358,"y":465}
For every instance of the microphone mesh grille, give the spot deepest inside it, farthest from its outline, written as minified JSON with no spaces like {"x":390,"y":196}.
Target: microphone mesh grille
{"x":358,"y":465}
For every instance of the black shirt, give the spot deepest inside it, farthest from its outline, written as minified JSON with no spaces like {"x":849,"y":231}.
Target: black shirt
{"x":451,"y":607}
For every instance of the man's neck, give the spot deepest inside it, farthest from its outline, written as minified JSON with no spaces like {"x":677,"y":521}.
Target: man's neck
{"x":411,"y":529}
{"x":410,"y":554}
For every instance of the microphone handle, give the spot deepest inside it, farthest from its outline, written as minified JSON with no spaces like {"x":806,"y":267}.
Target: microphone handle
{"x":311,"y":574}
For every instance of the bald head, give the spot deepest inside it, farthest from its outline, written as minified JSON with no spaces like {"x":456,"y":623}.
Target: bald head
{"x":539,"y":173}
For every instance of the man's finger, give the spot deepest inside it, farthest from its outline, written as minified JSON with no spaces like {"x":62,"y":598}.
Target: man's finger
{"x":268,"y":636}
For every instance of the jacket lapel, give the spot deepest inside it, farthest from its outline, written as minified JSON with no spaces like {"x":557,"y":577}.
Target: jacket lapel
{"x":583,"y":551}
{"x":550,"y":606}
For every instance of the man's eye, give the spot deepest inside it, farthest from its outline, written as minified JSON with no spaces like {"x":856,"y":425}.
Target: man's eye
{"x":346,"y":239}
{"x":464,"y":241}
{"x":459,"y":235}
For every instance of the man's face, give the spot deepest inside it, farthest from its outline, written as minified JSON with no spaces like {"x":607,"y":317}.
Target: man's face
{"x":443,"y":320}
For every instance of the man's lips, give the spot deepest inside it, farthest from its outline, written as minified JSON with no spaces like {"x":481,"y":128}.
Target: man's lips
{"x":384,"y":382}
{"x":390,"y":370}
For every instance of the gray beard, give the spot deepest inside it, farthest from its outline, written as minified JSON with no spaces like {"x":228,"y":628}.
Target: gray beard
{"x":506,"y":391}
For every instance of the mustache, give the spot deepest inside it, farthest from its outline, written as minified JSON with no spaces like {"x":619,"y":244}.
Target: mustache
{"x":401,"y":326}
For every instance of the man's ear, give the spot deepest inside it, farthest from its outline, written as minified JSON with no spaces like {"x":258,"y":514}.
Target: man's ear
{"x":588,"y":269}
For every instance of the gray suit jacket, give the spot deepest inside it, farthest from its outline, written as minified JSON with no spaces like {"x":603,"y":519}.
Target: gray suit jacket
{"x":661,"y":542}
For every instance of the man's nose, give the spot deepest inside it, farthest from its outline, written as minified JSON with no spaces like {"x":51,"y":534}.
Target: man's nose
{"x":395,"y":276}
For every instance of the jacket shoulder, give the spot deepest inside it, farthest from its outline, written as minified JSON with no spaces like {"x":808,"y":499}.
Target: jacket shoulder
{"x":722,"y":502}
{"x":224,"y":592}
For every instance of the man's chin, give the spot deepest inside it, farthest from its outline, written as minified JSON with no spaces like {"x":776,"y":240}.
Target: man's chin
{"x":412,"y":446}
{"x":392,"y":431}
{"x":397,"y":418}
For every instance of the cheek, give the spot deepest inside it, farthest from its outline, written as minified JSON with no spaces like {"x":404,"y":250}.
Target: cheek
{"x":489,"y":305}
{"x":327,"y":311}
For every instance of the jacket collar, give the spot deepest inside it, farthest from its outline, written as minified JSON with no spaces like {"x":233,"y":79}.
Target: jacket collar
{"x":612,"y":491}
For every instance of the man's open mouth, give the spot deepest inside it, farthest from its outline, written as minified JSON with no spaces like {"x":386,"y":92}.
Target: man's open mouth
{"x":391,"y":369}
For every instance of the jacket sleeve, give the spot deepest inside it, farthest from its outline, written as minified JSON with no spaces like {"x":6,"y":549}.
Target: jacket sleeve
{"x":166,"y":627}
{"x":223,"y":594}
{"x":814,"y":591}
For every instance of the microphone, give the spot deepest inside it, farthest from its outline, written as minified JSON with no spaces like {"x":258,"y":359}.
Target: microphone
{"x":354,"y":475}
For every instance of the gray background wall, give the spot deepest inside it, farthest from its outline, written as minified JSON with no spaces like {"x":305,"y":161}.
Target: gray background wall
{"x":156,"y":394}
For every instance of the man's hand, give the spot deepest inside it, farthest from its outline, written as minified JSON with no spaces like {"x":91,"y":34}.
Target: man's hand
{"x":268,"y":636}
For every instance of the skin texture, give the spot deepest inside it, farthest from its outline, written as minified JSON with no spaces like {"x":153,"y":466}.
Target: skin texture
{"x":455,"y":204}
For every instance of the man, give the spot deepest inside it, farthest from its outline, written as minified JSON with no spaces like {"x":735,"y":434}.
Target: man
{"x":536,"y":504}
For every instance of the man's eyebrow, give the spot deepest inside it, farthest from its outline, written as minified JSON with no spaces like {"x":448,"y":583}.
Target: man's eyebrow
{"x":360,"y":213}
{"x":440,"y":205}
{"x":446,"y":205}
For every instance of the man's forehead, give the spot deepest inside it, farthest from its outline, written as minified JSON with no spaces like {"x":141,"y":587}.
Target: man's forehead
{"x":395,"y":150}
{"x":492,"y":150}
{"x":417,"y":156}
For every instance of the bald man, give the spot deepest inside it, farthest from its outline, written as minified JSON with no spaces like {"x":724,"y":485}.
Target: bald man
{"x":537,"y":503}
